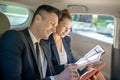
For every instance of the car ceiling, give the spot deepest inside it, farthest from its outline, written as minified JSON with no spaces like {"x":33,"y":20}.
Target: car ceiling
{"x":111,"y":7}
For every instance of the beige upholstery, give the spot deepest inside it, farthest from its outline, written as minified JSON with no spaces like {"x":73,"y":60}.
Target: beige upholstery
{"x":4,"y":23}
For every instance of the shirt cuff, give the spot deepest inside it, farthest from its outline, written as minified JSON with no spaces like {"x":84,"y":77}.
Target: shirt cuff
{"x":52,"y":77}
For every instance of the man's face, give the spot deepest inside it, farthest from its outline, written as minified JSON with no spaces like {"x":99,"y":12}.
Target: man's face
{"x":47,"y":24}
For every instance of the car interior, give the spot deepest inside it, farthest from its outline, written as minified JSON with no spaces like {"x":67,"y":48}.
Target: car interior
{"x":4,"y":23}
{"x":95,"y":22}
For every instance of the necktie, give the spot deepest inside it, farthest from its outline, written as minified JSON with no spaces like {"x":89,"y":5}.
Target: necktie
{"x":39,"y":59}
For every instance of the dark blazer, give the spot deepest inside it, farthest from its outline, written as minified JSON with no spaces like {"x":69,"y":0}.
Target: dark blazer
{"x":18,"y":58}
{"x":55,"y":56}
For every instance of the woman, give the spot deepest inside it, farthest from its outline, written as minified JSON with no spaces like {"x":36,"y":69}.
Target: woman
{"x":60,"y":43}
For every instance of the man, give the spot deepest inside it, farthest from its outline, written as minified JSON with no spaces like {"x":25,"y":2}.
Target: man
{"x":19,"y":56}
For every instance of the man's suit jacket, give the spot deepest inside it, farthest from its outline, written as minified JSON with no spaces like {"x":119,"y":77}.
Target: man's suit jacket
{"x":18,"y":60}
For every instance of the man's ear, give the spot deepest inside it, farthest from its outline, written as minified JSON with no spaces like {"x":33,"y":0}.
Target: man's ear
{"x":38,"y":18}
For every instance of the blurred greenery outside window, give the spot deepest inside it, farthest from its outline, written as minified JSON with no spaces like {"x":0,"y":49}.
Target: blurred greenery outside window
{"x":100,"y":27}
{"x":16,"y":15}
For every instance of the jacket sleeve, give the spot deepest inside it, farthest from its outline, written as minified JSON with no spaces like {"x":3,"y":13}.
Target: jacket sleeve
{"x":68,"y":41}
{"x":10,"y":56}
{"x":58,"y":69}
{"x":72,"y":59}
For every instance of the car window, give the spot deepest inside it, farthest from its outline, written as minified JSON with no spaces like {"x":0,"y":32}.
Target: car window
{"x":100,"y":27}
{"x":16,"y":15}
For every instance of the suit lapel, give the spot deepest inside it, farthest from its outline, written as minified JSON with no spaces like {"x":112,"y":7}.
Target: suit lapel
{"x":54,"y":49}
{"x":46,"y":49}
{"x":30,"y":43}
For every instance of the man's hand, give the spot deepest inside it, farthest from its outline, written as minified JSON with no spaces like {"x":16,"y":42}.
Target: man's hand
{"x":70,"y":73}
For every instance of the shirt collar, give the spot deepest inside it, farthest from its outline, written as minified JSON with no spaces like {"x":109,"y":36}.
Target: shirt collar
{"x":34,"y":40}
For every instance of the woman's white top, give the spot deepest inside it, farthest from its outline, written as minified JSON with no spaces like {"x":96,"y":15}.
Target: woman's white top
{"x":62,"y":55}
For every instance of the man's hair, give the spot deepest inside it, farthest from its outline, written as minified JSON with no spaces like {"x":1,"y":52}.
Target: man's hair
{"x":48,"y":9}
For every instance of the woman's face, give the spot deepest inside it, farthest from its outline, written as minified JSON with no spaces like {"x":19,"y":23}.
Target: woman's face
{"x":64,"y":27}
